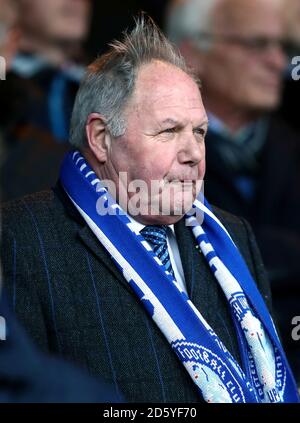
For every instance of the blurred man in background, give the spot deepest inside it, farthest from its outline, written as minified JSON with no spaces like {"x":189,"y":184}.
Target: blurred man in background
{"x":236,"y":47}
{"x":40,"y":91}
{"x":50,"y":59}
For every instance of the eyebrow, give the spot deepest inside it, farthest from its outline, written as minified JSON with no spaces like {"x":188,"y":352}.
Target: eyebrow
{"x":175,"y":122}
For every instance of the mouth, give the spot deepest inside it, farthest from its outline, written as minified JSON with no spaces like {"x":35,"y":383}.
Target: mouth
{"x":177,"y":186}
{"x":180,"y":181}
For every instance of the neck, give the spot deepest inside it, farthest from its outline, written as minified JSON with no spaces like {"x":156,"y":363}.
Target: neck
{"x":235,"y":118}
{"x":55,"y":53}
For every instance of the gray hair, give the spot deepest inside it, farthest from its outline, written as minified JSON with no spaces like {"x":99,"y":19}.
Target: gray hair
{"x":189,"y":18}
{"x":109,"y":82}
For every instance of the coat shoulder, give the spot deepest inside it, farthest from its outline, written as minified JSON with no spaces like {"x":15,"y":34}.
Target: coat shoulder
{"x":228,"y":219}
{"x":25,"y":217}
{"x":240,"y":231}
{"x":242,"y":235}
{"x":38,"y":202}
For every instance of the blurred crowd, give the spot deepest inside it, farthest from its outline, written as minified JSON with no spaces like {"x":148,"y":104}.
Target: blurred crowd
{"x":241,"y":51}
{"x":46,"y":62}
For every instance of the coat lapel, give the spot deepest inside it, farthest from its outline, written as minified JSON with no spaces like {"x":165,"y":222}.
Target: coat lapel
{"x":201,"y":285}
{"x":94,"y":245}
{"x":87,"y":236}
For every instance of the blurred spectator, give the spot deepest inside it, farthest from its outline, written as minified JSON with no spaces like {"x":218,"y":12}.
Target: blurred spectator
{"x":253,"y":158}
{"x":50,"y":59}
{"x":39,"y":92}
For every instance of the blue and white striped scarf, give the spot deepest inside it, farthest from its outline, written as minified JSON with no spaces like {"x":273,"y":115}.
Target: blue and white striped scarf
{"x":266,"y":376}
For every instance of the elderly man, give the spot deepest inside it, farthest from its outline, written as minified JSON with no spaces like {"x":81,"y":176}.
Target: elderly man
{"x":253,"y":157}
{"x":123,"y":268}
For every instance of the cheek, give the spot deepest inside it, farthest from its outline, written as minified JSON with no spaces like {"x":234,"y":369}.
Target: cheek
{"x":202,"y":168}
{"x":154,"y":169}
{"x":233,"y":65}
{"x":155,"y":163}
{"x":163,"y":165}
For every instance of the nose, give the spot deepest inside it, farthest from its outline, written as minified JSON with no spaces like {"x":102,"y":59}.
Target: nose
{"x":192,"y":150}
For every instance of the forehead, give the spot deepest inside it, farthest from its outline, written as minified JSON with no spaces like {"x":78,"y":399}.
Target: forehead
{"x":248,"y":17}
{"x":162,"y":87}
{"x":53,"y":5}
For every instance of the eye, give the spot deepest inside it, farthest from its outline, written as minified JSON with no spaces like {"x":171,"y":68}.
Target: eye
{"x":200,"y":131}
{"x":169,"y":130}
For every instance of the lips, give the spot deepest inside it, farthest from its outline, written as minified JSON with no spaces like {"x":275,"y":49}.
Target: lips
{"x":181,"y":180}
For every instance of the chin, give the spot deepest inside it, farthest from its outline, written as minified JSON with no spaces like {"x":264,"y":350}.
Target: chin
{"x":158,"y":212}
{"x":170,"y":217}
{"x":266,"y":101}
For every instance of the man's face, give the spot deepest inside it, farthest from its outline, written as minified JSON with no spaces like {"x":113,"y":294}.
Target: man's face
{"x":246,"y":77}
{"x":56,"y":20}
{"x":163,"y":142}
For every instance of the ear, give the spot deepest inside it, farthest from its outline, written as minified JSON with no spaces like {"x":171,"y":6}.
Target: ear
{"x":193,"y":56}
{"x":98,"y":137}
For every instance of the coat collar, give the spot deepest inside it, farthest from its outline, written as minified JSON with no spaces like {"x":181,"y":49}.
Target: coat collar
{"x":86,"y":235}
